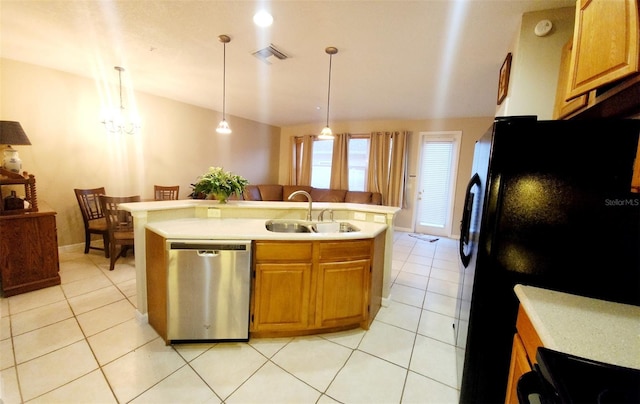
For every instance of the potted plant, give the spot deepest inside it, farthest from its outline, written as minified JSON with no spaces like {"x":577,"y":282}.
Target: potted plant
{"x":219,"y":184}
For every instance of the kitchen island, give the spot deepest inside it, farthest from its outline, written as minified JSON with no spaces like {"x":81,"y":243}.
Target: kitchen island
{"x":245,"y":220}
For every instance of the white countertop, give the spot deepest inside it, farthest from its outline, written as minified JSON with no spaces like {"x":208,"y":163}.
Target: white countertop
{"x":590,"y":328}
{"x":250,"y":229}
{"x":187,"y":203}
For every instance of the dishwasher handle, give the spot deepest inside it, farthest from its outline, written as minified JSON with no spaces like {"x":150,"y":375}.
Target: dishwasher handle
{"x":181,"y":245}
{"x":208,"y":253}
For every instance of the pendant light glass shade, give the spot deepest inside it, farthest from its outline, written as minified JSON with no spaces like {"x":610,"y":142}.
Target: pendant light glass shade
{"x":326,"y":133}
{"x":223,"y":127}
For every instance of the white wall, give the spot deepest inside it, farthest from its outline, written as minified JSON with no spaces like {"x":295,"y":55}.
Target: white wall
{"x":60,"y":113}
{"x":535,"y":64}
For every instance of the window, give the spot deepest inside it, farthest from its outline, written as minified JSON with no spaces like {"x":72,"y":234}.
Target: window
{"x":358,"y":162}
{"x":321,"y":166}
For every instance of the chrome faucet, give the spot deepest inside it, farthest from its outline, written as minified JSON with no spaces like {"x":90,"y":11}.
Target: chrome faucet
{"x":321,"y":215}
{"x":305,"y":193}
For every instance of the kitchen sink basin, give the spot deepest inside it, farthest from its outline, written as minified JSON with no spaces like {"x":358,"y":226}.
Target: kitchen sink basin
{"x":334,"y":227}
{"x":287,"y":226}
{"x":298,"y":226}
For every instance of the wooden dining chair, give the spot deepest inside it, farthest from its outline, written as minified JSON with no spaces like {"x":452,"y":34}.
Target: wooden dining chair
{"x":165,"y":193}
{"x":119,"y":224}
{"x":93,"y":218}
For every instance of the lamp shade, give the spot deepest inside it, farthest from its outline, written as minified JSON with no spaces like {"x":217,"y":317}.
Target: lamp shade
{"x":11,"y":133}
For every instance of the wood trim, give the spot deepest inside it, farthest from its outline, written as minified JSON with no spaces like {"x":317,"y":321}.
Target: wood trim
{"x":530,"y":338}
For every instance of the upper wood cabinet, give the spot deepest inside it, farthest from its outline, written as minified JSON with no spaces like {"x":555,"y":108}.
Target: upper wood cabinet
{"x":605,"y":44}
{"x":564,"y":108}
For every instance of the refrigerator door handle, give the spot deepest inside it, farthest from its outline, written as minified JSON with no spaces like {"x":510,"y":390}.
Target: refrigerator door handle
{"x":465,"y":224}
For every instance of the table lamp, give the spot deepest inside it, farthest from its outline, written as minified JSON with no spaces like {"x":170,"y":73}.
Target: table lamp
{"x":11,"y":133}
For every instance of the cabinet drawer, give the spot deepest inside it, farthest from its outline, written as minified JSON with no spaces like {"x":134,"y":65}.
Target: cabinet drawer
{"x":345,"y":250}
{"x":528,"y":334}
{"x":283,"y":251}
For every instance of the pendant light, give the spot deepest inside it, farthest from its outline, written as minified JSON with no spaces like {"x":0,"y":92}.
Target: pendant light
{"x":326,"y":132}
{"x":118,"y":122}
{"x":223,"y":126}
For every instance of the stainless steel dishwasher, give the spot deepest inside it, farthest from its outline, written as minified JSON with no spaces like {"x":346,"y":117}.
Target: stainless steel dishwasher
{"x":208,"y":290}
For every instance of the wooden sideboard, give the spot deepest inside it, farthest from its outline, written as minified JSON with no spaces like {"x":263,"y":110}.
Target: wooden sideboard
{"x":28,"y":252}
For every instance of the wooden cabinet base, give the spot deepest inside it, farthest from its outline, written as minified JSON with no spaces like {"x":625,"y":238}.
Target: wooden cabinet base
{"x":299,"y":333}
{"x":28,"y":252}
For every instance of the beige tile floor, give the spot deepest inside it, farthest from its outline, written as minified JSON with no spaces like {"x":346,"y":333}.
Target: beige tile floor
{"x":80,"y":342}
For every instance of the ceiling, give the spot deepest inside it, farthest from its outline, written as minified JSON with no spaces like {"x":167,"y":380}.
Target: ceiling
{"x":396,"y":59}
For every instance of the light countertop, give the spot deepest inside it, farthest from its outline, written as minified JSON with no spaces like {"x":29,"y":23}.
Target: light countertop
{"x":250,"y":229}
{"x":187,"y":203}
{"x":590,"y":328}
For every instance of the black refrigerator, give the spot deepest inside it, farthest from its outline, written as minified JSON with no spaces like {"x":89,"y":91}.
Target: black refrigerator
{"x":549,"y":204}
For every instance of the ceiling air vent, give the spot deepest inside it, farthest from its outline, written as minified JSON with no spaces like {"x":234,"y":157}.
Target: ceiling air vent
{"x":266,"y":53}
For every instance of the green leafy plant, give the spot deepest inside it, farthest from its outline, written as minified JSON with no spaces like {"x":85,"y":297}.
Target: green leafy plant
{"x":219,"y":183}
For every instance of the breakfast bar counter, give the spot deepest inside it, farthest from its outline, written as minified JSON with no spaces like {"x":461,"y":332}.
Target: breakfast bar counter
{"x":245,"y":220}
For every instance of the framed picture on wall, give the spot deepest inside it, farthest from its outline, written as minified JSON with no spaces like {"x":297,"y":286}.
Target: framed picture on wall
{"x":503,"y":83}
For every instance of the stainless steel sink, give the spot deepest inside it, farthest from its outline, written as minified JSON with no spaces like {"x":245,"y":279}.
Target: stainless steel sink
{"x":287,"y":226}
{"x":346,"y":227}
{"x":298,"y":226}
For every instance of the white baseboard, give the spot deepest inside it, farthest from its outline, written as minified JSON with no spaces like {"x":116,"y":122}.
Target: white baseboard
{"x":142,"y":318}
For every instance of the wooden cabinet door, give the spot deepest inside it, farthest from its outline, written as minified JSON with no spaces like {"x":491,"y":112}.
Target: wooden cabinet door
{"x":519,"y":366}
{"x":281,"y":297}
{"x":342,"y":293}
{"x":564,"y":108}
{"x":606,"y":47}
{"x":28,"y":252}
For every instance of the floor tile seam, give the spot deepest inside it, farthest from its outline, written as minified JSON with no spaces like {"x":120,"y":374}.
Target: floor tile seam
{"x":122,"y":355}
{"x":435,"y":380}
{"x":333,"y":379}
{"x":240,"y":385}
{"x":99,"y":307}
{"x":326,"y":338}
{"x":43,"y":326}
{"x":400,"y":327}
{"x":401,"y":271}
{"x":387,"y":360}
{"x":413,"y":346}
{"x":437,"y":340}
{"x":455,"y":271}
{"x":438,"y":293}
{"x":35,"y":307}
{"x":18,"y":378}
{"x":87,"y":336}
{"x":36,"y":329}
{"x":186,"y":364}
{"x":306,"y":383}
{"x":65,"y":384}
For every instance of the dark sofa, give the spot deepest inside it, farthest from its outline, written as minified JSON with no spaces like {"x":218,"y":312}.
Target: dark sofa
{"x":275,"y":192}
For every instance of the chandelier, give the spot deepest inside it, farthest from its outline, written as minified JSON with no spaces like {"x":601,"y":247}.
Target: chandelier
{"x":116,"y":121}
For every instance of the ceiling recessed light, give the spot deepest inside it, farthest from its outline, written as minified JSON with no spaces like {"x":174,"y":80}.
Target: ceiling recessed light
{"x":262,"y":19}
